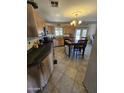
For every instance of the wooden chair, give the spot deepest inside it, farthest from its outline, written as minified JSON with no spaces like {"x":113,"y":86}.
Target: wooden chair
{"x":80,"y":47}
{"x":77,"y":49}
{"x":83,"y":46}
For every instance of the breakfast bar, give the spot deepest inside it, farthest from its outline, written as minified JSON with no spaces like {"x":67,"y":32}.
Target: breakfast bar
{"x":39,"y":66}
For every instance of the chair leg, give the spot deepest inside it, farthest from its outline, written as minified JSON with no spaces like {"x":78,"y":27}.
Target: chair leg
{"x":83,"y":52}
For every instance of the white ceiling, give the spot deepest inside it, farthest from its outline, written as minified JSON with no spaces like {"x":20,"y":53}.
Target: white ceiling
{"x":64,"y":13}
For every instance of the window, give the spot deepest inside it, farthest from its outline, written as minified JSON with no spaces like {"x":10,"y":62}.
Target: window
{"x":84,"y":33}
{"x":78,"y":32}
{"x":58,"y":31}
{"x":81,"y":33}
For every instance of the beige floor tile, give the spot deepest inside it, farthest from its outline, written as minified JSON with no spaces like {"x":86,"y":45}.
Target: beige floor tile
{"x":78,"y":89}
{"x":55,"y":90}
{"x":71,"y":73}
{"x":79,"y":78}
{"x":55,"y":77}
{"x":48,"y":88}
{"x":65,"y":84}
{"x":68,"y":74}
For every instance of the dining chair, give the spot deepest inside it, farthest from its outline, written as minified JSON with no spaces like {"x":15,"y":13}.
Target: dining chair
{"x":76,"y":49}
{"x":84,"y":42}
{"x":79,"y":48}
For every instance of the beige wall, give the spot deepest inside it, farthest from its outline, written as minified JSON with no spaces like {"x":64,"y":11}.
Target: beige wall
{"x":92,"y":29}
{"x":90,"y":80}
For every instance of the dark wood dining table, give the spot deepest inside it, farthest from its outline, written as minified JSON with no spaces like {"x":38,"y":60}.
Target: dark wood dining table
{"x":71,"y":43}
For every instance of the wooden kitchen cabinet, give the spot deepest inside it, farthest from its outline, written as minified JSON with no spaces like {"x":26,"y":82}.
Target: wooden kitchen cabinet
{"x":45,"y":70}
{"x":31,"y":26}
{"x":38,"y":75}
{"x":59,"y":41}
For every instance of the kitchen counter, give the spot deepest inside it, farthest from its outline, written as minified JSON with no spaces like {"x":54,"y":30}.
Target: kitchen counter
{"x":36,"y":55}
{"x":39,"y":67}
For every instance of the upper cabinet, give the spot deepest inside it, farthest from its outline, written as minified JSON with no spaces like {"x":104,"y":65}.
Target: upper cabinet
{"x":51,"y":29}
{"x":31,"y":26}
{"x":34,"y":22}
{"x":69,"y":30}
{"x":40,"y":23}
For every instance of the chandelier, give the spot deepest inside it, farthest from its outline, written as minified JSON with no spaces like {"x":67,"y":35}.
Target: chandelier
{"x":75,"y":22}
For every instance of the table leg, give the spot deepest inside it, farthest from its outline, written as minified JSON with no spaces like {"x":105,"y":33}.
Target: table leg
{"x":69,"y":50}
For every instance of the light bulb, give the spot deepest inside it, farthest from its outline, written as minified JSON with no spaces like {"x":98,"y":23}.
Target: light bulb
{"x":71,"y":23}
{"x":80,"y":22}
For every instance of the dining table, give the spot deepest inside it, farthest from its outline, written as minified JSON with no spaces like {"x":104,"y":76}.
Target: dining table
{"x":73,"y":42}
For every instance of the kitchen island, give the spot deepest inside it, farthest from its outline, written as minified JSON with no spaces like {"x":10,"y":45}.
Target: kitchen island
{"x":39,"y":67}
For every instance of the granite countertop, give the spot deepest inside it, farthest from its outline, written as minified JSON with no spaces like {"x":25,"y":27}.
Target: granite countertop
{"x":36,"y":55}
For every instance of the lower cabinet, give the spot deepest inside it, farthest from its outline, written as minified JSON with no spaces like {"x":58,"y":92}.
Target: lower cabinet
{"x":45,"y":69}
{"x":58,"y":42}
{"x":38,"y":76}
{"x":67,"y":50}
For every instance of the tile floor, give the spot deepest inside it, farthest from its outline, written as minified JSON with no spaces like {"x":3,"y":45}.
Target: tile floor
{"x":68,"y":73}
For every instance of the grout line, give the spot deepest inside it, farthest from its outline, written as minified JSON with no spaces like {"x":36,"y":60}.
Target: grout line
{"x":59,"y":78}
{"x":64,"y":72}
{"x":74,"y":82}
{"x":85,"y":87}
